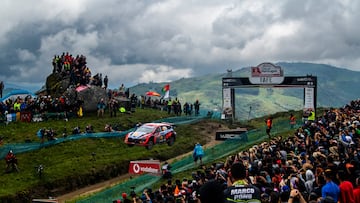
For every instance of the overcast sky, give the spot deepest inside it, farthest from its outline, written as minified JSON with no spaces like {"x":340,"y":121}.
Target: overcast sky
{"x":135,"y":41}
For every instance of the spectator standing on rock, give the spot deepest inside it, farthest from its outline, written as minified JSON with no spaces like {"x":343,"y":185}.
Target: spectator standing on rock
{"x":106,"y":80}
{"x":1,"y":88}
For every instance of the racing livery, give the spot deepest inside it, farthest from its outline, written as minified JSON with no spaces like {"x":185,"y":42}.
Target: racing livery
{"x":149,"y":134}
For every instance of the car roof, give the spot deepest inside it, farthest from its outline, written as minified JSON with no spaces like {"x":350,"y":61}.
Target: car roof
{"x":156,"y":124}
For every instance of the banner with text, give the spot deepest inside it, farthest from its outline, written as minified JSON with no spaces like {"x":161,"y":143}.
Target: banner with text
{"x":266,"y":73}
{"x":145,"y":166}
{"x":227,"y":105}
{"x":309,"y":99}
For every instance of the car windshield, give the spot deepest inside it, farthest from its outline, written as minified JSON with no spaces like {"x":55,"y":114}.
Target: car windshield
{"x":145,"y":129}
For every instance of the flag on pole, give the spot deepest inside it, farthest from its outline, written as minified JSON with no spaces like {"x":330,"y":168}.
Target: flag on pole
{"x":166,"y":90}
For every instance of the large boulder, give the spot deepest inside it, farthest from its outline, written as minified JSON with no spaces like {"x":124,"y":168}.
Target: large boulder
{"x":56,"y":84}
{"x":89,"y":95}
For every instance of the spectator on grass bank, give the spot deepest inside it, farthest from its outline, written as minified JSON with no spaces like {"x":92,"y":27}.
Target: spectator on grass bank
{"x":269,"y":123}
{"x":11,"y":162}
{"x":89,"y":129}
{"x":197,"y":107}
{"x":113,"y":107}
{"x":108,"y":128}
{"x":198,"y":153}
{"x":101,"y":108}
{"x":292,"y":121}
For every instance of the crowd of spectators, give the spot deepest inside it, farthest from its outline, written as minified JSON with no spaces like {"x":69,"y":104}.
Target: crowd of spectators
{"x":39,"y":105}
{"x":319,"y":162}
{"x":171,"y":106}
{"x":76,"y":68}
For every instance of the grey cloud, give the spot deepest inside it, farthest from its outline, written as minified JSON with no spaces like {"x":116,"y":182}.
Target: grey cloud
{"x":140,"y":41}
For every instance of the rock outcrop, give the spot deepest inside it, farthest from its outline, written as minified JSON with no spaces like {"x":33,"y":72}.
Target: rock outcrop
{"x":58,"y":85}
{"x":89,"y":96}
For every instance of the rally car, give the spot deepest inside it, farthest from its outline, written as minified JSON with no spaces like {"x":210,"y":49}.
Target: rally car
{"x":149,"y":134}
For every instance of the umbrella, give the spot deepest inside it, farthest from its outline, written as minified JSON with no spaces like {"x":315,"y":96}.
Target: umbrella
{"x":81,"y":88}
{"x":152,"y":93}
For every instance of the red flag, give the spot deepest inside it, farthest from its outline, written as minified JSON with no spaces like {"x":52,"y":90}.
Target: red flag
{"x":166,"y":88}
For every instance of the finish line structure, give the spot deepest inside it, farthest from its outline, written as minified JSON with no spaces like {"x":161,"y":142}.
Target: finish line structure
{"x":267,"y":75}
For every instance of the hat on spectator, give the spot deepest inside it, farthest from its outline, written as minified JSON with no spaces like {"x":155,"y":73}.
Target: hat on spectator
{"x":124,"y":195}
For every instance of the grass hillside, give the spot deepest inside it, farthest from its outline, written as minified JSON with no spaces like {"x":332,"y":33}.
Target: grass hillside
{"x":335,"y":88}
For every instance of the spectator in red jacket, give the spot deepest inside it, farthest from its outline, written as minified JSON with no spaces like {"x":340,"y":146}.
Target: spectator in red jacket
{"x":357,"y":190}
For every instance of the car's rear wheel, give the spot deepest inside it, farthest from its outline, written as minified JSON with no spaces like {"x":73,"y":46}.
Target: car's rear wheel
{"x":130,"y":145}
{"x":171,"y":141}
{"x":150,"y":145}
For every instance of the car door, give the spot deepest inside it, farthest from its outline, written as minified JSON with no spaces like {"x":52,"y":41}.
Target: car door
{"x":157,"y":134}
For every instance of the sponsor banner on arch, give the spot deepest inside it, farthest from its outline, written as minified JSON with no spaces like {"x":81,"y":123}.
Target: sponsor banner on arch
{"x":145,"y":166}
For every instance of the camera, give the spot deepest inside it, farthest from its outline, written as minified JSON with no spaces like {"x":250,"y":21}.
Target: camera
{"x":132,"y":194}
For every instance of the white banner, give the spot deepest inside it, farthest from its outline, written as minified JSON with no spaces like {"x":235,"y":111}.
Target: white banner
{"x":309,"y":98}
{"x":266,"y":74}
{"x":227,"y":106}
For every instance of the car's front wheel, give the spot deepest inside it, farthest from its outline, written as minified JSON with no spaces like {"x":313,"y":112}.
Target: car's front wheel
{"x":171,"y":141}
{"x":130,"y":145}
{"x":150,"y":145}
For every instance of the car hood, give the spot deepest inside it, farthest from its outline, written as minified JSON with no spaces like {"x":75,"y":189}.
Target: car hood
{"x":137,"y":135}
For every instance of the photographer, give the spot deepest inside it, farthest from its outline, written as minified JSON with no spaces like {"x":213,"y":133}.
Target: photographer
{"x":11,"y":162}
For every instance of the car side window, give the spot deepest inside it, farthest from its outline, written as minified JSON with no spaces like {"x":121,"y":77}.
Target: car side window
{"x":158,"y":130}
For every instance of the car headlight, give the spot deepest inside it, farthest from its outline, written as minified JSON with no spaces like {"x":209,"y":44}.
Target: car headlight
{"x":142,"y":140}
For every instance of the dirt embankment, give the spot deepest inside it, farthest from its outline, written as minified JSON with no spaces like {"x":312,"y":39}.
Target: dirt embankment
{"x":206,"y":128}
